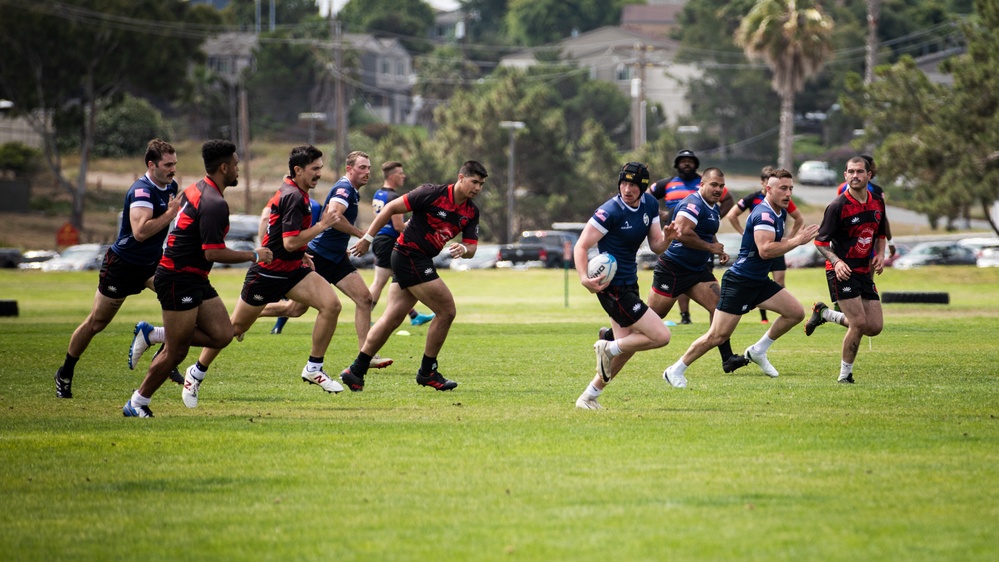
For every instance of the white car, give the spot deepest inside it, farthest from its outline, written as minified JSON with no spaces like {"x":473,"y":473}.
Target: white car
{"x":816,"y":172}
{"x":77,"y":258}
{"x":988,"y":257}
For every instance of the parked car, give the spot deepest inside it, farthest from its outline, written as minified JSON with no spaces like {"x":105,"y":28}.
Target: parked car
{"x":33,"y":259}
{"x":900,"y":250}
{"x":989,"y":257}
{"x":976,"y":245}
{"x":10,"y":257}
{"x":522,"y":255}
{"x":732,"y":243}
{"x":936,"y":253}
{"x":816,"y":172}
{"x":806,"y":255}
{"x":77,"y":258}
{"x":554,"y":243}
{"x":485,"y":257}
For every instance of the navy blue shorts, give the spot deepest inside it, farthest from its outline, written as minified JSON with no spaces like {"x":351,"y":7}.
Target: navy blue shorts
{"x":333,"y":271}
{"x":623,"y":304}
{"x":120,"y":278}
{"x":671,"y":279}
{"x":740,"y":295}
{"x":778,"y":264}
{"x":182,"y":291}
{"x":261,"y":286}
{"x":411,"y":267}
{"x":858,"y":285}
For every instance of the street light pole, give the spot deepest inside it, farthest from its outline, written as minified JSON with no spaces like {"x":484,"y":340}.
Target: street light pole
{"x":511,"y":126}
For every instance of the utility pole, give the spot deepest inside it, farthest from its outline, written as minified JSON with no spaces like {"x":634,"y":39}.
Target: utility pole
{"x":339,"y":111}
{"x":638,"y":97}
{"x":244,"y":148}
{"x":511,"y":126}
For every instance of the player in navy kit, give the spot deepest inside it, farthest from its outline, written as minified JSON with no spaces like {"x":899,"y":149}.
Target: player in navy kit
{"x":747,"y":284}
{"x":852,"y":237}
{"x":289,"y":229}
{"x":384,"y":242}
{"x":329,"y":249}
{"x":128,"y":267}
{"x":686,"y":268}
{"x":618,"y":228}
{"x":440,"y":213}
{"x":193,"y":313}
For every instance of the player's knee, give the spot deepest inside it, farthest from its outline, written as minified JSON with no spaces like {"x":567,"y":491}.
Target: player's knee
{"x":661,"y":339}
{"x":363,"y":300}
{"x":873,"y":328}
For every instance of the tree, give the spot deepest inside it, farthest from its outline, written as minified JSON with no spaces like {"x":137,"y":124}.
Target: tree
{"x":537,"y":22}
{"x":99,"y":54}
{"x":794,"y":39}
{"x":940,"y":141}
{"x":406,"y":20}
{"x":438,"y":76}
{"x":286,"y":12}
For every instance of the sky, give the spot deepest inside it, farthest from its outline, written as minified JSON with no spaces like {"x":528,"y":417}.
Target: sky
{"x":447,"y":5}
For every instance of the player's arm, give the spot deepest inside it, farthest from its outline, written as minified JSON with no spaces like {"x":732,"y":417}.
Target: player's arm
{"x":690,"y":239}
{"x":770,"y":248}
{"x":799,"y":221}
{"x":587,"y":239}
{"x":396,"y":206}
{"x":344,"y":225}
{"x":328,"y":218}
{"x":144,"y":225}
{"x":733,"y":217}
{"x":226,"y":255}
{"x":265,"y":219}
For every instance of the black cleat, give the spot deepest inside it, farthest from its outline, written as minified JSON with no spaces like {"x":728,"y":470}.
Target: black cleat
{"x":605,"y":334}
{"x":815,"y":320}
{"x":847,"y":380}
{"x":435,"y":380}
{"x":734,"y":362}
{"x":64,"y":387}
{"x":354,"y":383}
{"x":685,"y":318}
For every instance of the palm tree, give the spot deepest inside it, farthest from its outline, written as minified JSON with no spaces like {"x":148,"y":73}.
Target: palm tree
{"x":794,"y":38}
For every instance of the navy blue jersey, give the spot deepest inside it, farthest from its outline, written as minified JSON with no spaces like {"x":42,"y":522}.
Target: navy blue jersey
{"x":143,"y":194}
{"x":383,"y":197}
{"x":202,"y":224}
{"x":749,"y":264}
{"x":705,"y":218}
{"x":332,"y":244}
{"x":624,"y":228}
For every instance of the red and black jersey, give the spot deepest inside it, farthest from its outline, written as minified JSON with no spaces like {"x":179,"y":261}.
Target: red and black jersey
{"x":437,"y":219}
{"x":202,"y":224}
{"x":291,"y":213}
{"x":850,"y":228}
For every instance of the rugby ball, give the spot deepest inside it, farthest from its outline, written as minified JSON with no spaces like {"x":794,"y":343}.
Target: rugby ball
{"x":602,"y":264}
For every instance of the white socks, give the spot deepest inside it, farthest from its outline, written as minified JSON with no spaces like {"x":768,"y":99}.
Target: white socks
{"x":763,"y":345}
{"x":845,"y":369}
{"x":139,"y":400}
{"x":158,"y":335}
{"x":592,"y":391}
{"x":614,"y":349}
{"x":313,"y":367}
{"x":680,"y":367}
{"x":830,"y":315}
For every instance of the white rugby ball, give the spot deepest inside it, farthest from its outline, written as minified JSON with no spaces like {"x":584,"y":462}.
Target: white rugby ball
{"x":602,"y":264}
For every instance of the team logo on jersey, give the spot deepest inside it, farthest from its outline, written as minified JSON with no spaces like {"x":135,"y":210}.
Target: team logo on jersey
{"x":342,"y":192}
{"x":601,"y":215}
{"x":645,"y":218}
{"x":187,"y":300}
{"x":855,"y":220}
{"x":462,"y":222}
{"x":442,"y":214}
{"x":627,"y":226}
{"x":766,"y":217}
{"x":139,"y":192}
{"x":693,"y":209}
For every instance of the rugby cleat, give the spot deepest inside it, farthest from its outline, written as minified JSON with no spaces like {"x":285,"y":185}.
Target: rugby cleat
{"x":140,"y":342}
{"x":761,"y":360}
{"x":435,"y":380}
{"x":815,"y":320}
{"x":322,"y":379}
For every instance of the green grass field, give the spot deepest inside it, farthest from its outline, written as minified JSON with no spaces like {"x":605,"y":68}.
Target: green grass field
{"x":904,"y":465}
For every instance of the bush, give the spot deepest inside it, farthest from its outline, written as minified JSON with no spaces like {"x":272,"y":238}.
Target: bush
{"x":18,"y":158}
{"x":126,"y":128}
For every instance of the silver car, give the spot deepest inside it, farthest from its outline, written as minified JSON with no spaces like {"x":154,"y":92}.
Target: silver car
{"x":816,"y":172}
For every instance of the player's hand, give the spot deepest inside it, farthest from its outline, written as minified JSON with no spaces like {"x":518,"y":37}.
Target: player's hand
{"x":307,"y":260}
{"x":722,"y":258}
{"x":264,"y":255}
{"x":892,"y":250}
{"x":672,"y":231}
{"x":457,"y":250}
{"x":173,"y":207}
{"x":878,"y":263}
{"x":807,"y":234}
{"x":842,"y":270}
{"x":594,"y":285}
{"x":329,"y":216}
{"x":360,"y":248}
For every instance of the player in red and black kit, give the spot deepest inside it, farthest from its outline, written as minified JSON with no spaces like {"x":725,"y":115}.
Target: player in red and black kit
{"x":193,"y":313}
{"x":854,"y":224}
{"x":440,"y":212}
{"x":289,"y":230}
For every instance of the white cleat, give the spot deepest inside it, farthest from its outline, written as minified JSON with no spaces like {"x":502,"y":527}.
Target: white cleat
{"x":191,"y":387}
{"x":322,"y":379}
{"x":585,"y":403}
{"x":674,"y":379}
{"x":603,"y":359}
{"x":140,"y":343}
{"x":380,"y":362}
{"x":761,"y":360}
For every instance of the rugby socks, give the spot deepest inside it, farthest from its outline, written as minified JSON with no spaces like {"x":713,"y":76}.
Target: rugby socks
{"x":314,"y":364}
{"x":830,"y":315}
{"x":68,"y":366}
{"x":199,"y":371}
{"x":412,"y":312}
{"x":725,"y":348}
{"x":845,"y":369}
{"x":680,"y":367}
{"x":592,"y":391}
{"x":428,"y":365}
{"x":140,"y":400}
{"x":614,"y":349}
{"x":763,"y":345}
{"x":361,"y":364}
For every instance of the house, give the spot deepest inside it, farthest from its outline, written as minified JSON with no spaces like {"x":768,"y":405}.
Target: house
{"x":385,"y":77}
{"x":229,"y":54}
{"x":617,"y":55}
{"x":654,"y":20}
